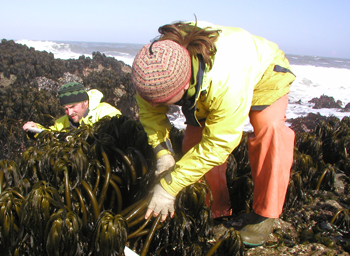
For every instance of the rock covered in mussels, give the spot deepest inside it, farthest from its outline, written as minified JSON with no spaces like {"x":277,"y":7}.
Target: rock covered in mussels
{"x":325,"y":102}
{"x":29,"y":81}
{"x":20,"y":65}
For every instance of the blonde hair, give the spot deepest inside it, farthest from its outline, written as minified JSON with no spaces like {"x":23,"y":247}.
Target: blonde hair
{"x":195,"y":40}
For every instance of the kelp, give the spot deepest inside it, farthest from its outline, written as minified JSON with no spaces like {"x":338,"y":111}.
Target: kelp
{"x":85,"y":192}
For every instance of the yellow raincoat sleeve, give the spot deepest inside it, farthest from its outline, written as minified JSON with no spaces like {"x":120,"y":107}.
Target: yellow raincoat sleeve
{"x":155,"y":122}
{"x":222,"y":133}
{"x":59,"y":124}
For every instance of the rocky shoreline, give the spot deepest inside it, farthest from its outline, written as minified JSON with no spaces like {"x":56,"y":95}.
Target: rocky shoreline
{"x":24,"y":72}
{"x":29,"y":81}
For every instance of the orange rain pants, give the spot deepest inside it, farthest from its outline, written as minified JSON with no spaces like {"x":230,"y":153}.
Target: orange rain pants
{"x":216,"y":177}
{"x":271,"y":148}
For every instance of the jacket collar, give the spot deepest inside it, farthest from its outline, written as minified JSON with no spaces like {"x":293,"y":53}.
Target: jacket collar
{"x":192,"y":93}
{"x":189,"y":100}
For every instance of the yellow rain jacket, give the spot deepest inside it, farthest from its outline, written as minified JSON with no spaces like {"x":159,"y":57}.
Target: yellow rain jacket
{"x":97,"y":110}
{"x":242,"y":77}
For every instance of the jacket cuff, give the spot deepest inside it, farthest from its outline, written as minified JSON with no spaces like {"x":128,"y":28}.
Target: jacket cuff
{"x":169,"y":186}
{"x":163,"y":148}
{"x":162,"y":153}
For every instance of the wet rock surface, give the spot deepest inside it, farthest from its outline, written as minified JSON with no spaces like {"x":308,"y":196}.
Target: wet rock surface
{"x":306,"y":123}
{"x":325,"y":102}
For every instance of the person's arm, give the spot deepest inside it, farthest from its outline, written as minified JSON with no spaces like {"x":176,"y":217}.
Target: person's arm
{"x":156,"y":124}
{"x":33,"y":129}
{"x":157,"y":127}
{"x":59,"y":124}
{"x":222,"y":133}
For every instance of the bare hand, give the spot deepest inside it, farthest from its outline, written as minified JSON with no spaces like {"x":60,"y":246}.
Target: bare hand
{"x":150,"y":211}
{"x":28,"y":125}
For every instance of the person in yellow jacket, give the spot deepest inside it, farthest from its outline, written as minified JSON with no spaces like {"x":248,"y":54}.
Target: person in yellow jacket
{"x":80,"y":106}
{"x":220,"y":76}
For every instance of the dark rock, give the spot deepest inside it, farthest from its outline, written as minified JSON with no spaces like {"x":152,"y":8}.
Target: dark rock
{"x":306,"y":123}
{"x":325,"y":102}
{"x":347,"y":107}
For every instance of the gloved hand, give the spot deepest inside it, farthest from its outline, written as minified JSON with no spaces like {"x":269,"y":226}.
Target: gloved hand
{"x":161,"y":202}
{"x":164,"y":163}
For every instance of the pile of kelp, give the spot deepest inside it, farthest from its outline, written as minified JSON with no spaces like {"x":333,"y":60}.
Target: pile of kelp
{"x":85,"y":192}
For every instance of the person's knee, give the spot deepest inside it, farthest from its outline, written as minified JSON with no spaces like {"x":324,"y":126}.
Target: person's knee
{"x":274,"y":128}
{"x":267,"y":127}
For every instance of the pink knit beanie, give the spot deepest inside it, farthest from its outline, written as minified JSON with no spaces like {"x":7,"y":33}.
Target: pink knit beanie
{"x":161,"y":70}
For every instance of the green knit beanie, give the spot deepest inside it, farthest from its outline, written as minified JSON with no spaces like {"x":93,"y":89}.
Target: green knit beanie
{"x":72,"y":93}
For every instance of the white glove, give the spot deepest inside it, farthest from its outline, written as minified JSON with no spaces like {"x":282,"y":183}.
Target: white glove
{"x":164,"y":163}
{"x":161,"y":202}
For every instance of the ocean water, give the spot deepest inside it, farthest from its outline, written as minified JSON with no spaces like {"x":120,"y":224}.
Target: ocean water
{"x":315,"y":76}
{"x":72,"y":50}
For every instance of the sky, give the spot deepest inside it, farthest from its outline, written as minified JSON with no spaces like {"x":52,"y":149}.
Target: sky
{"x":301,"y":27}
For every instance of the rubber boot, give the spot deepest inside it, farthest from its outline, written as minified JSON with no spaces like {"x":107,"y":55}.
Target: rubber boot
{"x":257,"y":231}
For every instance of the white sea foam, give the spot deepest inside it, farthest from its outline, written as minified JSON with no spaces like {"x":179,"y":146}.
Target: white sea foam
{"x":73,"y":50}
{"x":311,"y":82}
{"x":59,"y":50}
{"x":126,"y":60}
{"x":314,"y":81}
